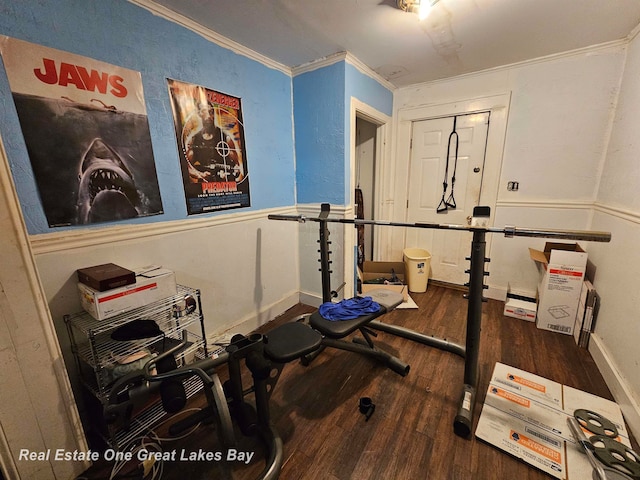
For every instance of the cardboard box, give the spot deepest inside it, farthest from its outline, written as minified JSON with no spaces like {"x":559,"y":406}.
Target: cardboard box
{"x":519,"y":306}
{"x":526,"y":415}
{"x":391,"y":271}
{"x":150,"y":286}
{"x":522,"y":309}
{"x":562,"y":267}
{"x":106,"y":276}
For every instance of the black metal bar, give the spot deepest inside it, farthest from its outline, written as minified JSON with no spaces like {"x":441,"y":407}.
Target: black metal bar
{"x":464,"y":419}
{"x":394,"y":363}
{"x":508,"y":231}
{"x":324,"y":261}
{"x":439,"y":343}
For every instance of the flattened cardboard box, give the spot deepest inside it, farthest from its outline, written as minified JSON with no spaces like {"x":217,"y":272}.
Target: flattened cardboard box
{"x":526,"y":415}
{"x":150,"y":286}
{"x":562,"y":267}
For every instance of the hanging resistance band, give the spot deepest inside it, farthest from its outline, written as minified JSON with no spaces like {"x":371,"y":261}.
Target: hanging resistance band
{"x":450,"y":202}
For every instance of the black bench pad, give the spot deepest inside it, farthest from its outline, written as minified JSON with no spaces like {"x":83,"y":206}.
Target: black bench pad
{"x":290,"y":341}
{"x":341,"y":328}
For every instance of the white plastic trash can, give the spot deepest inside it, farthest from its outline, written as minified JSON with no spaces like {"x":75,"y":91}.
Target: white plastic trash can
{"x":417,"y":263}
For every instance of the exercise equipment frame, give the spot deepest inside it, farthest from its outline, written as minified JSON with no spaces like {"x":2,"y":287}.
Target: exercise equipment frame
{"x":463,"y":420}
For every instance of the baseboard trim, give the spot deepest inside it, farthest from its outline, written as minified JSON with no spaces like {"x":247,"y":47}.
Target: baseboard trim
{"x":452,"y":286}
{"x":617,"y":384}
{"x":311,"y":299}
{"x":493,"y":293}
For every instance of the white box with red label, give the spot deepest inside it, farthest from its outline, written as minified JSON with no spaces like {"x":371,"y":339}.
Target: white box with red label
{"x":151,"y":285}
{"x":562,"y":267}
{"x":519,"y":306}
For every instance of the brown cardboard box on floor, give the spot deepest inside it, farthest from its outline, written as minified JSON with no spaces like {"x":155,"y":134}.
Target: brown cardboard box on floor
{"x":388,"y":270}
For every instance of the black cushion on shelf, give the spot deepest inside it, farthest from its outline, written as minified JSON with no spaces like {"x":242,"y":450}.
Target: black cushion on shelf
{"x":137,"y":330}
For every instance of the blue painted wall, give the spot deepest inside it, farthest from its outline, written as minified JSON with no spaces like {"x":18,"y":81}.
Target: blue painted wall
{"x":120,"y":33}
{"x":367,"y":90}
{"x":322,"y":103}
{"x":318,"y":108}
{"x":123,"y":34}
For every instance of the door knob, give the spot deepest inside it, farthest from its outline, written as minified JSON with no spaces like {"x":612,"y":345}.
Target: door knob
{"x":476,"y":169}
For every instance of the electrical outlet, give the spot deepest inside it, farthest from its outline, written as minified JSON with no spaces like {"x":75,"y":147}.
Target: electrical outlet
{"x":513,"y":186}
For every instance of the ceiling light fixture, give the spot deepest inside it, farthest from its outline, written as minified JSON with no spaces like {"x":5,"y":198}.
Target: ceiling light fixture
{"x":421,"y":7}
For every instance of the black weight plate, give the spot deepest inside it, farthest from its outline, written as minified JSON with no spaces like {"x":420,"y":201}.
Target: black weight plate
{"x":596,"y":423}
{"x":616,"y":455}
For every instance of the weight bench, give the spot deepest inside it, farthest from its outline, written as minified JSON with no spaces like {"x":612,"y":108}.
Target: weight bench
{"x":306,"y":341}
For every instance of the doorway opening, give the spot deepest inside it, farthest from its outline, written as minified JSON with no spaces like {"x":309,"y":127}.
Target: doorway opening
{"x":365,"y":195}
{"x":369,"y":140}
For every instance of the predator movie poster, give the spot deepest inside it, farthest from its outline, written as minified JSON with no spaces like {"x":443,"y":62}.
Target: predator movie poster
{"x":210,"y":136}
{"x":86,"y":131}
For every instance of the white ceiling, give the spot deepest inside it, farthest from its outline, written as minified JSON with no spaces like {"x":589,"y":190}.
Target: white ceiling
{"x":459,"y":36}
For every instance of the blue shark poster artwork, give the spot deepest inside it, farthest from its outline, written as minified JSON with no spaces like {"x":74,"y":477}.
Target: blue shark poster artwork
{"x":86,"y":131}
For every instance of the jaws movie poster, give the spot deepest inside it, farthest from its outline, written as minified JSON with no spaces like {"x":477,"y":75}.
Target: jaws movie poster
{"x":210,"y":136}
{"x":85,"y":127}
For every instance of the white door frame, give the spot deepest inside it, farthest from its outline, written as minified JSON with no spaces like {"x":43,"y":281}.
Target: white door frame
{"x":359,"y":109}
{"x":498,"y":105}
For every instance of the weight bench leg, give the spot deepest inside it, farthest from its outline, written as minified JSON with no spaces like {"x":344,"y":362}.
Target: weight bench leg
{"x":389,"y":360}
{"x":427,"y":340}
{"x":310,"y":357}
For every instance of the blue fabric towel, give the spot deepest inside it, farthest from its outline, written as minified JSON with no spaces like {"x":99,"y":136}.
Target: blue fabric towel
{"x":348,"y":309}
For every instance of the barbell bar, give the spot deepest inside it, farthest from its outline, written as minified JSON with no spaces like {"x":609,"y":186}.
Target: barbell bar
{"x":508,"y":231}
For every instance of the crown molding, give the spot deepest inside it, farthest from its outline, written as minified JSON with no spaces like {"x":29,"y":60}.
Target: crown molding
{"x":621,"y":43}
{"x":348,"y":58}
{"x":317,"y":64}
{"x":363,"y":68}
{"x":210,"y":35}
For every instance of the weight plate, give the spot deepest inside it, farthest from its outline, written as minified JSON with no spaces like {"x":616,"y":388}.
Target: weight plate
{"x":596,"y":423}
{"x":616,"y":455}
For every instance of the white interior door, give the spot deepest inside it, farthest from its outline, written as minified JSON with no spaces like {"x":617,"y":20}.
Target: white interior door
{"x":428,"y":164}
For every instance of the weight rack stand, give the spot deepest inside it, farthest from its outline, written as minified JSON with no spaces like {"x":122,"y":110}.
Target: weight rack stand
{"x":463,"y":420}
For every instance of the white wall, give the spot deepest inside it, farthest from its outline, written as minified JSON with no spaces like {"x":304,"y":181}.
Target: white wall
{"x":572,"y":143}
{"x":558,"y":124}
{"x":242,"y":264}
{"x":617,"y":334}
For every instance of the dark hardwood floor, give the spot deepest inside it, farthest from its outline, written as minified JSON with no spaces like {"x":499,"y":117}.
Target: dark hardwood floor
{"x":410,"y":435}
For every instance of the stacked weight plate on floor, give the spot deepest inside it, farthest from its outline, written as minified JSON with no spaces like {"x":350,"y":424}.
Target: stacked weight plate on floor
{"x":622,"y":460}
